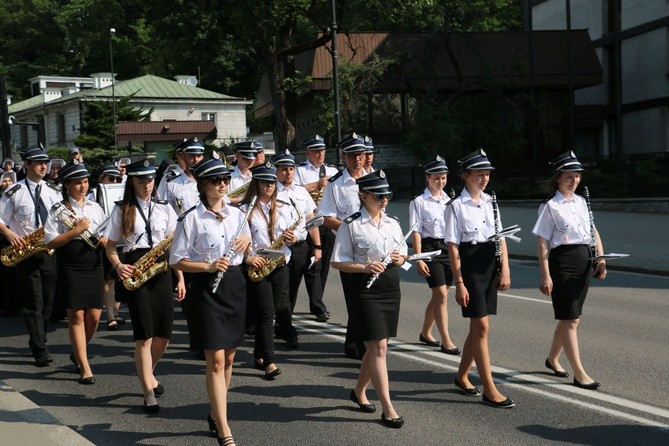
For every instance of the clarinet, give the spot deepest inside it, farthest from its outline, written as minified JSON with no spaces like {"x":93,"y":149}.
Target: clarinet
{"x":219,"y":275}
{"x":498,"y":242}
{"x":593,"y":241}
{"x":387,"y":259}
{"x":451,"y":194}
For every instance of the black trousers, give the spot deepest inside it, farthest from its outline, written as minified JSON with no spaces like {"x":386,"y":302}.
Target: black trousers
{"x":266,"y":297}
{"x":327,"y":242}
{"x":298,"y":267}
{"x":353,"y":345}
{"x":37,"y":284}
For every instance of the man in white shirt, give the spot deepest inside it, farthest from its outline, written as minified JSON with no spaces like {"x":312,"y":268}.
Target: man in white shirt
{"x":245,"y":152}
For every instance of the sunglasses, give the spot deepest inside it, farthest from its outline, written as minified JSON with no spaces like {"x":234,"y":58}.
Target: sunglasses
{"x":379,"y":197}
{"x":216,"y":181}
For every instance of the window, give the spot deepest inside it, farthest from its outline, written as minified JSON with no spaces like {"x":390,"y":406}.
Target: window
{"x":209,"y":116}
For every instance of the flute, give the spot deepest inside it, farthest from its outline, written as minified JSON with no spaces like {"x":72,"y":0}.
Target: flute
{"x":593,"y":240}
{"x":219,"y":275}
{"x":387,"y":259}
{"x":498,"y":242}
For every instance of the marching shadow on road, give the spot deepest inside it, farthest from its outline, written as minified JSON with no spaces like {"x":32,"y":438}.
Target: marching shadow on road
{"x":599,"y":435}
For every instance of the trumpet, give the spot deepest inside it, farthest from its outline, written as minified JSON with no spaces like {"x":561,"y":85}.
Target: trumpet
{"x":69,"y":218}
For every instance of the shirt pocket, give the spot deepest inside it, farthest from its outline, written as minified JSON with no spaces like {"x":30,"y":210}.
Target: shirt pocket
{"x":362,"y":244}
{"x":159,"y":227}
{"x":25,"y":215}
{"x":207,"y":242}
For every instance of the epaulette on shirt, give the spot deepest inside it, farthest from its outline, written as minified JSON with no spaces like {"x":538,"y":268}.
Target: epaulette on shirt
{"x":119,"y":202}
{"x":181,"y":217}
{"x":158,"y":200}
{"x":55,"y":186}
{"x":281,"y":202}
{"x":335,"y":176}
{"x":172,"y":175}
{"x":12,"y":190}
{"x":352,"y":217}
{"x":302,"y":164}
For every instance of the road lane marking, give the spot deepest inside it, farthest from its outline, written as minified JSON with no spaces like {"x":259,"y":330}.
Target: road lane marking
{"x":408,"y":351}
{"x":532,"y":299}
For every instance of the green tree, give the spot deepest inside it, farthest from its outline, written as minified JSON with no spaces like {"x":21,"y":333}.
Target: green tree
{"x":98,"y":127}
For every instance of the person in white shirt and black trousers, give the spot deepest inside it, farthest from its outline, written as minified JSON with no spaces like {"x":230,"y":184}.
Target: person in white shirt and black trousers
{"x":23,"y":210}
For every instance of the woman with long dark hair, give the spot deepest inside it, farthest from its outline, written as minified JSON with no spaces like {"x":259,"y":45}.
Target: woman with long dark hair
{"x":363,"y":242}
{"x":205,"y":245}
{"x":269,"y":220}
{"x":139,"y":222}
{"x":477,"y":275}
{"x":70,"y":229}
{"x":564,"y":238}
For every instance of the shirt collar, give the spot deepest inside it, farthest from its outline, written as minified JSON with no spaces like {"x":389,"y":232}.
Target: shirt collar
{"x":562,"y":199}
{"x":428,"y":195}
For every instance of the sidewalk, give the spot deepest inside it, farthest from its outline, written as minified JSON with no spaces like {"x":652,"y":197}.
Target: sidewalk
{"x":642,"y":235}
{"x":23,"y":422}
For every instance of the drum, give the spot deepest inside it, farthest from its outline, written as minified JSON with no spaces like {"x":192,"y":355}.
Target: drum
{"x":107,"y":194}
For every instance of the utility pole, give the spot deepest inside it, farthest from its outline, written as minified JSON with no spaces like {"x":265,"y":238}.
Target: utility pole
{"x":335,"y":78}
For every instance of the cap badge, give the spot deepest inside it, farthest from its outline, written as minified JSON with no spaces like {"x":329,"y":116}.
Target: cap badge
{"x":382,"y":174}
{"x":146,"y":163}
{"x":215,"y":155}
{"x":439,"y":158}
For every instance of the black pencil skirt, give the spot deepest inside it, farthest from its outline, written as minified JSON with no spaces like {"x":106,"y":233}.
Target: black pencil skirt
{"x":218,"y":319}
{"x":376,"y":309}
{"x":151,"y":307}
{"x":480,"y":277}
{"x":570,"y":268}
{"x":80,"y":274}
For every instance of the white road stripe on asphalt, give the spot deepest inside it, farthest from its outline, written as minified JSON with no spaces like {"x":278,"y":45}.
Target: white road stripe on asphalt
{"x":532,"y":299}
{"x":336,"y":331}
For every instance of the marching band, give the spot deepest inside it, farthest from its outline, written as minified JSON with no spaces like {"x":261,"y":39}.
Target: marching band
{"x":235,"y":244}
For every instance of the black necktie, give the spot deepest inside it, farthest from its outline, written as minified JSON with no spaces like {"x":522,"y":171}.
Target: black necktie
{"x":40,"y":207}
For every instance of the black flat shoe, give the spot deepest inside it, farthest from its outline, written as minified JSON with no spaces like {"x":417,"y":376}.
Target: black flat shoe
{"x":367,"y":408}
{"x":451,"y":351}
{"x":394,"y":423}
{"x":273,"y":374}
{"x":258,"y":365}
{"x":506,"y":404}
{"x":558,"y":373}
{"x":469,"y":391}
{"x":154,"y":408}
{"x":590,"y":386}
{"x":292,"y":343}
{"x":158,"y":390}
{"x":425,"y":340}
{"x":213,"y":426}
{"x":119,"y":320}
{"x":87,"y":381}
{"x":112,"y":325}
{"x":43,"y":360}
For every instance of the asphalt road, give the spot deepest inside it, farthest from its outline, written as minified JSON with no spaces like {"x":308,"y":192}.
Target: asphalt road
{"x":623,"y":337}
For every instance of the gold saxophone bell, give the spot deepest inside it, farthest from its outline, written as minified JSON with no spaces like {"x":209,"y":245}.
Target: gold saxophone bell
{"x":258,"y":274}
{"x":33,"y":244}
{"x":148,"y":265}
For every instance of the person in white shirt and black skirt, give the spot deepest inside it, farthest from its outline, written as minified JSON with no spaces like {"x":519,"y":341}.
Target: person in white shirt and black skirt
{"x":477,"y":273}
{"x":139,"y":222}
{"x":565,"y":237}
{"x":205,"y":246}
{"x":71,"y":229}
{"x":364,"y":240}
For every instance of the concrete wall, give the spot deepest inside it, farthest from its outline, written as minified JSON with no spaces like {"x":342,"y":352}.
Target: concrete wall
{"x":646,"y":131}
{"x":644,"y":73}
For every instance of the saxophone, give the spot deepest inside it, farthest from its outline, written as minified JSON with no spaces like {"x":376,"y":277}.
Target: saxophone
{"x":258,"y":274}
{"x":240,"y":191}
{"x":317,"y":194}
{"x":34,"y":244}
{"x":148,"y":265}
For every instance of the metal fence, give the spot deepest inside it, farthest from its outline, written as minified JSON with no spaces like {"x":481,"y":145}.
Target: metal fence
{"x":638,"y":175}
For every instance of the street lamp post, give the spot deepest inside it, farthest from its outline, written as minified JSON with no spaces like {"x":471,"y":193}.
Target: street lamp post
{"x":112,"y":31}
{"x":335,"y":78}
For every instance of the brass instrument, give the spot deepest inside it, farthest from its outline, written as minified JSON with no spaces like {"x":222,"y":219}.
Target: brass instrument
{"x":258,"y":274}
{"x":240,"y":191}
{"x":34,"y":244}
{"x":317,"y":195}
{"x":148,"y":265}
{"x":69,"y":218}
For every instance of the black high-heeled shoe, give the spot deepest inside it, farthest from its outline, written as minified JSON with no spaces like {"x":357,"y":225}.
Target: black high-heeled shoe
{"x":226,"y":441}
{"x":367,"y":408}
{"x":213,"y":425}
